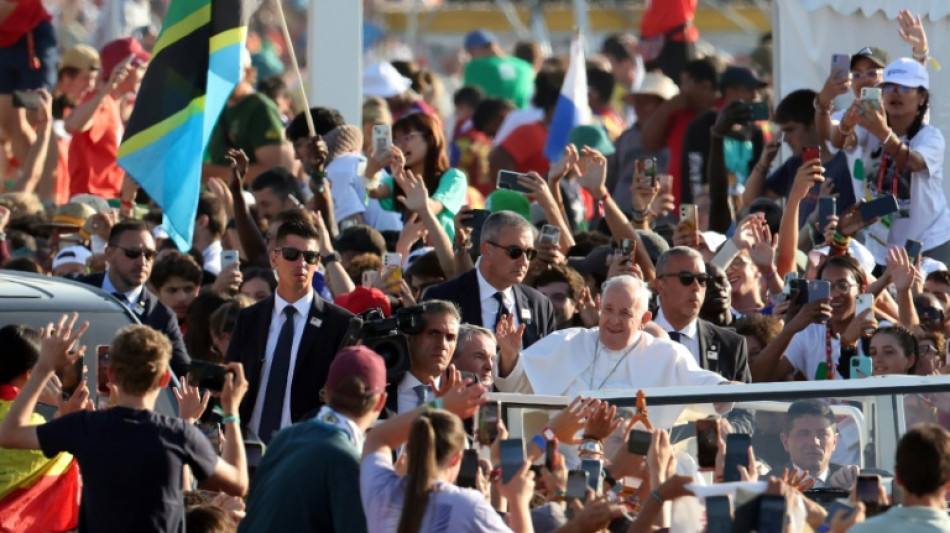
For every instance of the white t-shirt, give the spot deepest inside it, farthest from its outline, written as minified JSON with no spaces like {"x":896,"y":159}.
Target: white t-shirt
{"x":349,"y":195}
{"x":807,"y":352}
{"x":450,"y":508}
{"x":923,"y":214}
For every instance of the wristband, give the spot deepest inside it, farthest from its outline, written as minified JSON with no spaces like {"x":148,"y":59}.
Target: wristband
{"x":435,"y":404}
{"x":231,"y":418}
{"x":771,"y":273}
{"x":656,"y":496}
{"x":330,"y":258}
{"x":539,"y":440}
{"x":921,"y":56}
{"x":548,"y":433}
{"x":840,"y":240}
{"x":495,"y":474}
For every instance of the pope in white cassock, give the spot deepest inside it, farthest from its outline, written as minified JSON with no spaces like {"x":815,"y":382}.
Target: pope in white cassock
{"x":616,"y":355}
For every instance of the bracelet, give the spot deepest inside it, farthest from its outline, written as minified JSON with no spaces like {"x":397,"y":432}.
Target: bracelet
{"x":771,"y":273}
{"x":845,"y":132}
{"x":656,"y":496}
{"x":231,"y":418}
{"x":436,"y":404}
{"x":559,"y":496}
{"x":822,"y":109}
{"x":921,"y":56}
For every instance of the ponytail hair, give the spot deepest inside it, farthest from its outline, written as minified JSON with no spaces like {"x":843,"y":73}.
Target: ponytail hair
{"x":919,"y":117}
{"x":433,"y":437}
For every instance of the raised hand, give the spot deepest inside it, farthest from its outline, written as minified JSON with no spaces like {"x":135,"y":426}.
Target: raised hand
{"x":239,"y":163}
{"x":58,"y":339}
{"x":235,"y":386}
{"x":809,"y":173}
{"x":415,"y":196}
{"x":463,"y":399}
{"x":594,"y":177}
{"x":568,"y":422}
{"x":77,"y":402}
{"x":589,"y":308}
{"x":564,"y":166}
{"x":451,"y":378}
{"x":900,"y":268}
{"x":191,"y":403}
{"x":508,"y":335}
{"x":912,"y":31}
{"x":762,"y":252}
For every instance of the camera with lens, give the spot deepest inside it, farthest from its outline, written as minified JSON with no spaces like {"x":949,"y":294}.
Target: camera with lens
{"x":389,"y":336}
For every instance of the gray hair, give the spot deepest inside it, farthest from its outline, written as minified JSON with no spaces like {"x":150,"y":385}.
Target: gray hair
{"x":641,"y":293}
{"x":468,"y":331}
{"x":440,"y":307}
{"x":502,"y":220}
{"x":681,"y":251}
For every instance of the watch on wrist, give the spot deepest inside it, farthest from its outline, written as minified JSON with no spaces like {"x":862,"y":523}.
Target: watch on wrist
{"x":330,"y":257}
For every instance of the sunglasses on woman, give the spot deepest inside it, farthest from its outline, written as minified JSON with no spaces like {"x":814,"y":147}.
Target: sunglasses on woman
{"x":514,"y":252}
{"x":135,"y":253}
{"x":687,"y":278}
{"x":292,"y":254}
{"x":892,"y":88}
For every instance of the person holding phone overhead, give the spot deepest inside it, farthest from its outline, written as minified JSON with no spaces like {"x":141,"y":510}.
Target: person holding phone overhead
{"x":900,"y":155}
{"x":419,"y":148}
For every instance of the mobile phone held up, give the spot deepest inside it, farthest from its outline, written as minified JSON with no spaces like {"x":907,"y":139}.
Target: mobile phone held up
{"x":689,"y":214}
{"x":737,"y":453}
{"x":508,"y":179}
{"x":648,"y":164}
{"x":810,"y":152}
{"x":883,"y":205}
{"x":229,"y":257}
{"x":26,"y":100}
{"x":512,"y":458}
{"x":550,"y":234}
{"x":488,"y":422}
{"x":206,"y":375}
{"x":868,"y":491}
{"x":468,"y":470}
{"x":638,"y":441}
{"x":840,"y":65}
{"x":382,"y":138}
{"x":913,"y":250}
{"x":827,"y":207}
{"x":707,"y":442}
{"x":576,"y":484}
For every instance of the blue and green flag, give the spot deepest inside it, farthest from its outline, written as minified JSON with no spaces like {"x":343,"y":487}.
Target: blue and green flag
{"x":195,"y":65}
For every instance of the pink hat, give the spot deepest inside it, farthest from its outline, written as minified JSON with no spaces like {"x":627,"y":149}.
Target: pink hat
{"x":115,"y":52}
{"x":364,"y":298}
{"x":360,"y":362}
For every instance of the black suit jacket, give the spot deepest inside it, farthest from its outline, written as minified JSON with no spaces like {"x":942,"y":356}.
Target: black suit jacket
{"x":463,"y":290}
{"x":323,"y":335}
{"x":723,"y":351}
{"x":156,"y":315}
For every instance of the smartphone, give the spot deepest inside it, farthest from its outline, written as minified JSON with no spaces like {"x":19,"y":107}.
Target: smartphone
{"x":834,"y":507}
{"x":689,"y":216}
{"x":468,"y":470}
{"x":508,"y":179}
{"x":868,"y":490}
{"x":862,"y":303}
{"x":382,"y":138}
{"x":818,"y":289}
{"x":799,"y":291}
{"x":512,"y":458}
{"x":550,"y":234}
{"x":70,"y":376}
{"x":206,"y":375}
{"x":594,"y":469}
{"x":827,"y":207}
{"x":718,"y":514}
{"x":254,"y":452}
{"x":771,"y":514}
{"x":102,"y":369}
{"x":369,"y":278}
{"x":648,"y":164}
{"x":577,"y":484}
{"x":393,"y":259}
{"x":861,"y":367}
{"x":737,"y":453}
{"x":871,"y":94}
{"x":550,"y":454}
{"x":707,"y":442}
{"x":913,"y":250}
{"x":878,"y":207}
{"x":479,"y":216}
{"x":810,"y":152}
{"x":638,"y":441}
{"x":760,"y":111}
{"x":212,"y":431}
{"x":228,"y":258}
{"x":26,"y":100}
{"x":790,"y":277}
{"x":840,"y":65}
{"x":488,"y":422}
{"x":628,"y":247}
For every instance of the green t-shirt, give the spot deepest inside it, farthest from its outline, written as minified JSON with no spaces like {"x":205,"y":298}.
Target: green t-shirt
{"x":249,"y":124}
{"x":510,"y":78}
{"x":451,"y":194}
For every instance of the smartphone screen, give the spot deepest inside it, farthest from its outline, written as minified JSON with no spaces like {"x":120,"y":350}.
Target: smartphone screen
{"x":69,"y":376}
{"x":577,"y":484}
{"x":840,"y":65}
{"x":628,"y":247}
{"x":760,"y":111}
{"x":771,"y":514}
{"x":512,"y":457}
{"x":868,"y":492}
{"x":102,"y":369}
{"x":878,"y":207}
{"x":550,"y":454}
{"x":508,"y":179}
{"x":254,"y":451}
{"x":827,"y":207}
{"x":468,"y":470}
{"x":737,"y":453}
{"x":594,"y":468}
{"x":707,"y":442}
{"x":789,"y":278}
{"x":718,"y":514}
{"x":649,"y":169}
{"x":488,"y":422}
{"x":206,"y":375}
{"x":479,"y":216}
{"x":550,"y":234}
{"x":913,"y":250}
{"x":638,"y":441}
{"x":382,"y":138}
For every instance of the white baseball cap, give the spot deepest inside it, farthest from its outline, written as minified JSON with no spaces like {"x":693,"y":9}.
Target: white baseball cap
{"x":71,"y":254}
{"x":906,"y":72}
{"x":384,"y":81}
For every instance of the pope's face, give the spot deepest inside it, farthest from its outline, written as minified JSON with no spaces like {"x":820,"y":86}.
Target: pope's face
{"x":621,"y":317}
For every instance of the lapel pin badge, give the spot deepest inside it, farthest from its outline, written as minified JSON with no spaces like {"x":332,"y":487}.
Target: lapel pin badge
{"x":316,"y":322}
{"x":525,"y":314}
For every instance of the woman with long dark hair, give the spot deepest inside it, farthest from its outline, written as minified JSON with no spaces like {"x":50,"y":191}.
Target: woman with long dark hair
{"x":419,"y":147}
{"x":892,"y":150}
{"x":427,"y":499}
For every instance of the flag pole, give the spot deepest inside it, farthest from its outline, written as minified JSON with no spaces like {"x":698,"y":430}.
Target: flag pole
{"x":293,"y":61}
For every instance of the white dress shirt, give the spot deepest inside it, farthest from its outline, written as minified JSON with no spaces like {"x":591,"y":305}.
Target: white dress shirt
{"x":277,"y":320}
{"x":486,"y":295}
{"x":212,"y":257}
{"x":689,"y":336}
{"x":131,"y":297}
{"x":406,"y":396}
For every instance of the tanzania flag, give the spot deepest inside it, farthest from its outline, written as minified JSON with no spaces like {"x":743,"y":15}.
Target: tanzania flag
{"x":36,"y":494}
{"x":195,"y":65}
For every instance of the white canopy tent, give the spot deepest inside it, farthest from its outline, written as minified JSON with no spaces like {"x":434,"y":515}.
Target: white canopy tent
{"x":807,"y":32}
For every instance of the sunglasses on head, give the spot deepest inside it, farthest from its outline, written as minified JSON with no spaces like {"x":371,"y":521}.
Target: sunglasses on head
{"x":292,"y":254}
{"x":514,"y":252}
{"x":687,"y":278}
{"x":135,"y":253}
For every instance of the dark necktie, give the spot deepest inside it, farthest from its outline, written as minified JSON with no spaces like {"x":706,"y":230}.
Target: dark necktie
{"x":422,"y":393}
{"x":676,"y":336}
{"x":277,"y":382}
{"x":502,"y":310}
{"x":121,"y":297}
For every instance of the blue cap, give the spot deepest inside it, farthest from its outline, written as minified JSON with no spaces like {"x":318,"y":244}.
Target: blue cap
{"x":478,"y":38}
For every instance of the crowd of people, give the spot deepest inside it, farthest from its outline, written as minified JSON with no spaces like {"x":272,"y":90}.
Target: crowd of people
{"x":362,"y":289}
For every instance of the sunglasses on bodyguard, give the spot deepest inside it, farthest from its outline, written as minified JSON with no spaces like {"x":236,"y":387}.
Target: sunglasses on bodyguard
{"x":687,"y":278}
{"x":292,"y":254}
{"x":514,"y":252}
{"x":135,"y":253}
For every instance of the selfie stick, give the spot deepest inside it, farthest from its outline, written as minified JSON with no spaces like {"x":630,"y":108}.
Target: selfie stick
{"x":293,"y":61}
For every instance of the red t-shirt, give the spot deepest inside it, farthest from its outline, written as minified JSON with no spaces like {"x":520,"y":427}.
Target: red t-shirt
{"x":25,"y":16}
{"x":661,"y":16}
{"x":679,"y":121}
{"x":526,"y":146}
{"x":473,"y":147}
{"x":92,"y":154}
{"x":61,"y":186}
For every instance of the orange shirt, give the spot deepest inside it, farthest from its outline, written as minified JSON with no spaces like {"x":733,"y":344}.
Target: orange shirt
{"x":92,"y":154}
{"x":61,"y":185}
{"x":661,"y":16}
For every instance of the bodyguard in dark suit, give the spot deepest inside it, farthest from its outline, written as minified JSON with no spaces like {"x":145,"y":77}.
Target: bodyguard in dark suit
{"x":493,"y":288}
{"x":130,"y":254}
{"x":287,"y":341}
